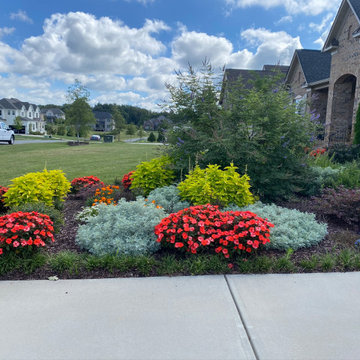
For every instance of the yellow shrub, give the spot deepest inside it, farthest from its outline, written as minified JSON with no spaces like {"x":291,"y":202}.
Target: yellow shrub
{"x":46,"y":187}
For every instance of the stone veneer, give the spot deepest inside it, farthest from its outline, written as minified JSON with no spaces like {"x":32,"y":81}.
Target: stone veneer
{"x":342,"y":98}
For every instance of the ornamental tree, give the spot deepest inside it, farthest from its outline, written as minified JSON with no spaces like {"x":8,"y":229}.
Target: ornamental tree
{"x":79,"y":113}
{"x":260,"y":131}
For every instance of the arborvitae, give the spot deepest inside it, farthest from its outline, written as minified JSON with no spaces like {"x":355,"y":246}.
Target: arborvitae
{"x":161,"y":137}
{"x":151,"y":137}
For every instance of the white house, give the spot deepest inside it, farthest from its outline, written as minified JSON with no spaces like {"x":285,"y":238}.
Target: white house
{"x":29,"y":114}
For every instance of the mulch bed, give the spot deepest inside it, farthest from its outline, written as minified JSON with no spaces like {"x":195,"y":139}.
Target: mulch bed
{"x":339,"y":237}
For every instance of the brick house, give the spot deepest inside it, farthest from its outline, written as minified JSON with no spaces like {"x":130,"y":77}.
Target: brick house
{"x":327,"y":79}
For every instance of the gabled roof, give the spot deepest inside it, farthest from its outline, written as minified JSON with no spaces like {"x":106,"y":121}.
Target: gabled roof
{"x":331,"y":40}
{"x":355,"y":5}
{"x":281,"y":68}
{"x":15,"y":104}
{"x":6,"y":104}
{"x":314,"y":64}
{"x":248,"y":76}
{"x":232,"y":75}
{"x":101,"y":115}
{"x":55,"y":111}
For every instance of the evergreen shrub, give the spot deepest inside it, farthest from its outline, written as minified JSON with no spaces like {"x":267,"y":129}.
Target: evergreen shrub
{"x":292,"y":229}
{"x":168,"y":197}
{"x":123,"y":229}
{"x":342,"y":153}
{"x":215,"y":186}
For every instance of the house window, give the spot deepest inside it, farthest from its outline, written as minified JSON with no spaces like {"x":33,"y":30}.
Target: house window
{"x":29,"y":114}
{"x":299,"y":76}
{"x":0,"y":113}
{"x":8,"y":112}
{"x":13,"y":112}
{"x":22,"y":113}
{"x":349,"y":32}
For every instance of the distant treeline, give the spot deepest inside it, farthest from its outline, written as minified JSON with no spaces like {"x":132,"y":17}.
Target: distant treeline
{"x":132,"y":114}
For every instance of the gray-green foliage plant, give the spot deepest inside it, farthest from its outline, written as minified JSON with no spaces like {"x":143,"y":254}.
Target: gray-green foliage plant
{"x":123,"y":229}
{"x":87,"y":212}
{"x":293,"y":229}
{"x":168,"y":197}
{"x":325,"y":176}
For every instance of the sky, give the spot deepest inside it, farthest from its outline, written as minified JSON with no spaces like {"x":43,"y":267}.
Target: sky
{"x":124,"y":51}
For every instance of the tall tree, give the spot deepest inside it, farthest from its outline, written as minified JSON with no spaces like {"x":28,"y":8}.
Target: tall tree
{"x":79,"y":113}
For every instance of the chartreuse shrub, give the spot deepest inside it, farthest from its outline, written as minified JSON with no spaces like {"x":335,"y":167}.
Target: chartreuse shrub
{"x":3,"y":190}
{"x":123,"y":229}
{"x":168,"y":197}
{"x":48,"y":187}
{"x":152,"y":174}
{"x":215,"y":186}
{"x":293,"y":229}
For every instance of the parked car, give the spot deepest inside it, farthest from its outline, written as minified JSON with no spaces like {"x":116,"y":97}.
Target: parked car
{"x":6,"y":134}
{"x":95,"y":137}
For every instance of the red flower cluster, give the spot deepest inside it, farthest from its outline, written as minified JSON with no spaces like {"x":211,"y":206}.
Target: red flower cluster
{"x":206,"y":227}
{"x":127,"y":180}
{"x":23,"y":229}
{"x":317,"y":152}
{"x":84,"y":182}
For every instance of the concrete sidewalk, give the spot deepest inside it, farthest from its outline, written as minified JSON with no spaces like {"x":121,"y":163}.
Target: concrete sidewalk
{"x":302,"y":316}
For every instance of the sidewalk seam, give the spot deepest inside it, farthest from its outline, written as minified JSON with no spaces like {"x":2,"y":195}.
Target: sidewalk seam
{"x":242,"y":319}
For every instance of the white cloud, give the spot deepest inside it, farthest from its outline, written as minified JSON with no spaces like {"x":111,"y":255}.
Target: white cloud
{"x":325,"y":22}
{"x":323,"y":27}
{"x":80,"y":43}
{"x":284,"y":20}
{"x":122,"y":64}
{"x":272,"y":47}
{"x":309,"y":7}
{"x":22,"y":16}
{"x":193,"y":47}
{"x":144,"y":2}
{"x":6,"y":31}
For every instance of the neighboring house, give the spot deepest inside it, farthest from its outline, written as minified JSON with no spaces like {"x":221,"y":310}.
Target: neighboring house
{"x":154,"y":123}
{"x":52,"y":115}
{"x":232,"y":76}
{"x":104,"y":121}
{"x":29,"y":114}
{"x":328,"y":79}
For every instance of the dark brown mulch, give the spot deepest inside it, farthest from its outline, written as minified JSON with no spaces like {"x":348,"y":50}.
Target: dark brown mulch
{"x":339,"y":237}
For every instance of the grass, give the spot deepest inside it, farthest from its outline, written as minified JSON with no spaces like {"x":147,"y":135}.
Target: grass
{"x":107,"y":161}
{"x":70,"y":264}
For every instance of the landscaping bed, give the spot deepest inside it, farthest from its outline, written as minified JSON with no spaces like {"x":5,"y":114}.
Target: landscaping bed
{"x":64,"y":258}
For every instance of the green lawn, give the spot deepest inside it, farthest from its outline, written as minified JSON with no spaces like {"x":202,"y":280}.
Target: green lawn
{"x":107,"y":161}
